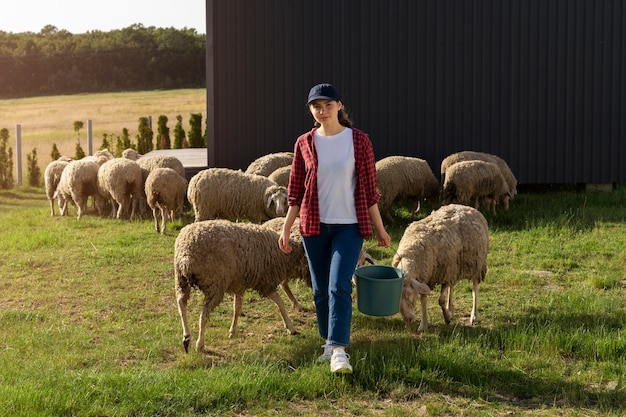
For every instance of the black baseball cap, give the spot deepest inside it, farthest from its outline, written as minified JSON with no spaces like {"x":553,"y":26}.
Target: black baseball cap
{"x":324,"y":92}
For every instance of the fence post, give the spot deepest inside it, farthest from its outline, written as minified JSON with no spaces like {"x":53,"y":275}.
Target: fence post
{"x":18,"y":153}
{"x":89,"y":137}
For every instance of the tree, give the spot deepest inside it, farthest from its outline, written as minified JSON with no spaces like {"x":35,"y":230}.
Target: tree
{"x":105,"y":142}
{"x":77,"y":126}
{"x":179,"y":133}
{"x":163,"y":141}
{"x":144,"y":137}
{"x":123,"y":143}
{"x":6,"y":161}
{"x":55,"y":154}
{"x":195,"y":131}
{"x":32,"y":169}
{"x":79,"y":153}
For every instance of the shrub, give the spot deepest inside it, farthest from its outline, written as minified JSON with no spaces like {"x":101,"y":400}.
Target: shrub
{"x":145,"y":136}
{"x":33,"y":171}
{"x":163,"y":141}
{"x":195,"y":131}
{"x":55,"y":154}
{"x":179,"y":133}
{"x":79,"y":153}
{"x":6,"y":161}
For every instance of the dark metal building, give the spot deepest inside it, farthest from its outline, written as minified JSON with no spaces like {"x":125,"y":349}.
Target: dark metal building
{"x":541,"y":83}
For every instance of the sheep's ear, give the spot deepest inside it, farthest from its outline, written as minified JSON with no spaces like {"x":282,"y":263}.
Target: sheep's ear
{"x":269,"y":200}
{"x":420,"y":287}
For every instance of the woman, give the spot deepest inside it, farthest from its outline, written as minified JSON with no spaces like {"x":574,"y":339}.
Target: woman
{"x":332,"y":186}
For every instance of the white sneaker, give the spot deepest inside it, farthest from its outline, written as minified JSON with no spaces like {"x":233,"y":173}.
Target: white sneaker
{"x":328,"y":352}
{"x":339,"y":362}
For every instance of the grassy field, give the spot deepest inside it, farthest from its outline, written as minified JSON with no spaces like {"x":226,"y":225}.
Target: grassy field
{"x":48,"y":120}
{"x":90,"y":328}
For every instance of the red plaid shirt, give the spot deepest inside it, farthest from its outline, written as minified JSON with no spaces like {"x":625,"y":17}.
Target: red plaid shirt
{"x":303,"y":183}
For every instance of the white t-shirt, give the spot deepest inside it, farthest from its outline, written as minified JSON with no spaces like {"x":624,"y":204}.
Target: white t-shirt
{"x":335,"y":177}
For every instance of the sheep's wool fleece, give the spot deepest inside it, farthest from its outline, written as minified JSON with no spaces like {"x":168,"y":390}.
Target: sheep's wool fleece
{"x":231,"y":194}
{"x":266,"y":164}
{"x":403,"y":177}
{"x":450,"y":244}
{"x":219,"y":256}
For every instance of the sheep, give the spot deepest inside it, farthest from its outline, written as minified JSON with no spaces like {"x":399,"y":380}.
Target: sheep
{"x":269,"y":163}
{"x":450,"y":244}
{"x":468,"y":181}
{"x":220,"y":256}
{"x":281,"y":176}
{"x":303,"y":271}
{"x":148,"y":163}
{"x":120,"y":181}
{"x":78,"y":182}
{"x":165,"y":192}
{"x":100,"y":157}
{"x":51,"y":177}
{"x":234,"y":195}
{"x":481,"y":156}
{"x":131,"y":154}
{"x":404,"y":177}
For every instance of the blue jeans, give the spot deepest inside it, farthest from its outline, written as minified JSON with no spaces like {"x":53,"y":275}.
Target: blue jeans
{"x":332,"y":257}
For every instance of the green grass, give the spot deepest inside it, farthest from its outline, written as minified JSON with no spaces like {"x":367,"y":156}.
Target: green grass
{"x":90,"y":328}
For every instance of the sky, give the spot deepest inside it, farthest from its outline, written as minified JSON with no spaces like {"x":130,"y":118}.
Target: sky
{"x":80,"y":16}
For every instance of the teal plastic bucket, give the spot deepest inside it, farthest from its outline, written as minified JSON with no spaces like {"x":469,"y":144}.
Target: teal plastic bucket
{"x":379,"y":289}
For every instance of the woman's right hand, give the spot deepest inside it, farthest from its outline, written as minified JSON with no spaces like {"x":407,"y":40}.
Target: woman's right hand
{"x":283,"y":242}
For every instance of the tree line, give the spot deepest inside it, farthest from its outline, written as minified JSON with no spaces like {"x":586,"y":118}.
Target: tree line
{"x":131,"y":59}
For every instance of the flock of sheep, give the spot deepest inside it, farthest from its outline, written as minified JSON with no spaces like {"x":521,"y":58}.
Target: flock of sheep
{"x":232,"y":245}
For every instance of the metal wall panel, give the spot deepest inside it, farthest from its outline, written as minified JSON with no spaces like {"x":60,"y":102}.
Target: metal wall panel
{"x":540,"y":83}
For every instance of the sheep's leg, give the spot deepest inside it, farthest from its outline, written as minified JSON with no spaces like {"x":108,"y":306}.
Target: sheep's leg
{"x":121,"y":211}
{"x":285,"y":286}
{"x":450,"y":301}
{"x":114,"y":207}
{"x":80,"y":208}
{"x":164,"y":214}
{"x":286,"y":321}
{"x":237,"y":307}
{"x":474,"y":315}
{"x":444,"y":300}
{"x":181,"y":301}
{"x":155,"y":214}
{"x":424,"y":323}
{"x":52,"y":207}
{"x":207,"y":307}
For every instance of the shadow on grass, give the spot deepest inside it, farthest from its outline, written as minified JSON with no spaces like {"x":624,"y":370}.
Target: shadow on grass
{"x":471,"y":361}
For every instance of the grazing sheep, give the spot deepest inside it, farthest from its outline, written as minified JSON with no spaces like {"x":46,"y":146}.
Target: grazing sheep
{"x":78,"y":182}
{"x":303,"y":271}
{"x":404,"y":178}
{"x":131,"y":154}
{"x":281,"y":176}
{"x":148,"y":163}
{"x":100,"y":157}
{"x":234,"y":195}
{"x":51,"y":178}
{"x":480,"y":156}
{"x":450,"y":244}
{"x":269,"y":163}
{"x":120,"y":181}
{"x":219,"y":257}
{"x":165,"y":193}
{"x":472,"y":181}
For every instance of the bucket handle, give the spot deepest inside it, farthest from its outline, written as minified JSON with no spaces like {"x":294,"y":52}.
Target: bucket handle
{"x":395,"y":251}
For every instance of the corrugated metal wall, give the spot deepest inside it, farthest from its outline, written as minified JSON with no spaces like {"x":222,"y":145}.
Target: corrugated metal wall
{"x":542,"y":83}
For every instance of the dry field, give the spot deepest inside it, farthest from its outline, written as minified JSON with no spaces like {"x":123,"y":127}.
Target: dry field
{"x":48,"y":120}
